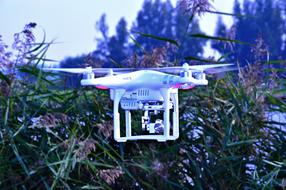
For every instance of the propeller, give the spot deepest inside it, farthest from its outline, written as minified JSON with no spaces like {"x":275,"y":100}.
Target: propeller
{"x":86,"y":70}
{"x":211,"y":69}
{"x":220,"y":70}
{"x":89,"y":70}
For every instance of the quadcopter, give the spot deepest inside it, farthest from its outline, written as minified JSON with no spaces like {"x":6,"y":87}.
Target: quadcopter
{"x":154,"y":91}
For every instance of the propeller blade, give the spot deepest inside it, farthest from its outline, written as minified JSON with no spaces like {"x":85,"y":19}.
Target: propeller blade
{"x":213,"y":68}
{"x":207,"y":67}
{"x":220,"y":70}
{"x":114,"y":70}
{"x":68,"y":70}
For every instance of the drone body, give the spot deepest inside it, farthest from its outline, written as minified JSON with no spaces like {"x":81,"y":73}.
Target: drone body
{"x":152,"y":90}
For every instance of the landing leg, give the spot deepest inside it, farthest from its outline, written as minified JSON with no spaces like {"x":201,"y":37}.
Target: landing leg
{"x":116,"y":117}
{"x":175,"y":99}
{"x":166,"y":95}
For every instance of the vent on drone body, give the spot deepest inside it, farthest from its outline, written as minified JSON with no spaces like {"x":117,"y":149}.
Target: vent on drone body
{"x":128,"y":104}
{"x":143,"y":92}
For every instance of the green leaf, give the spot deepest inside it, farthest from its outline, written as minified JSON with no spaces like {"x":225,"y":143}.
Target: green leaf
{"x":239,"y":143}
{"x":174,"y":42}
{"x":19,"y":158}
{"x":224,"y":56}
{"x":189,"y":58}
{"x":275,"y":164}
{"x":137,"y":43}
{"x":42,"y":59}
{"x":34,"y":71}
{"x":38,"y":45}
{"x":217,"y":38}
{"x":277,"y":102}
{"x":275,"y":62}
{"x":224,"y":13}
{"x":5,"y":78}
{"x":279,"y":92}
{"x":91,"y":187}
{"x":191,"y":18}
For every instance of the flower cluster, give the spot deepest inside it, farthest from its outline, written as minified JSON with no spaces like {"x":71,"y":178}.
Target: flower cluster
{"x":49,"y":120}
{"x":5,"y":57}
{"x":230,"y":34}
{"x":253,"y":75}
{"x":160,"y":168}
{"x":18,"y":55}
{"x":23,"y":42}
{"x":110,"y":175}
{"x":105,"y":128}
{"x":150,"y":59}
{"x":194,"y":7}
{"x":85,"y":148}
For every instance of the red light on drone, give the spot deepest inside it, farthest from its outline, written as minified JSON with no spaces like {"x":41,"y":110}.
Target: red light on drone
{"x":188,"y":87}
{"x":102,"y":87}
{"x":177,"y":85}
{"x":183,"y":87}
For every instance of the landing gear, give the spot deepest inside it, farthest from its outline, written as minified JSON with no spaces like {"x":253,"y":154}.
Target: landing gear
{"x":157,"y":121}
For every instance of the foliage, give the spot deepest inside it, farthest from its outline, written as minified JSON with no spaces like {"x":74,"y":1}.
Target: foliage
{"x":254,"y":19}
{"x":158,"y":25}
{"x":62,"y":139}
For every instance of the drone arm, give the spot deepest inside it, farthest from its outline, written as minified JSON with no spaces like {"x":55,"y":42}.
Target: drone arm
{"x":189,"y":80}
{"x":200,"y":81}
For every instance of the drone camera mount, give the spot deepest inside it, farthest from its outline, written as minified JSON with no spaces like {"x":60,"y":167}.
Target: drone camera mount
{"x":159,"y":130}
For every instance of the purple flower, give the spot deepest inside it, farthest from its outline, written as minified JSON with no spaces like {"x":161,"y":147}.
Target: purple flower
{"x":196,"y":6}
{"x":23,"y":42}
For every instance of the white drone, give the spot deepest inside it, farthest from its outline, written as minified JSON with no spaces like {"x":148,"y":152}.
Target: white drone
{"x":152,"y":90}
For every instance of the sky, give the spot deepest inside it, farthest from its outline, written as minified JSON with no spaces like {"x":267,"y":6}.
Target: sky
{"x":71,"y":23}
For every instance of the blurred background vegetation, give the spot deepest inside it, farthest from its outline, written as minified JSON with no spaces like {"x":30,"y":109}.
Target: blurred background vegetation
{"x":57,"y":135}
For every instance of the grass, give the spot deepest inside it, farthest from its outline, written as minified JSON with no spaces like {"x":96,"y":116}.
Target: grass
{"x":53,"y":138}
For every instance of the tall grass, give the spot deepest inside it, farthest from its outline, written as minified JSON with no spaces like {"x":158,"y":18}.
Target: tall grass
{"x":52,"y":138}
